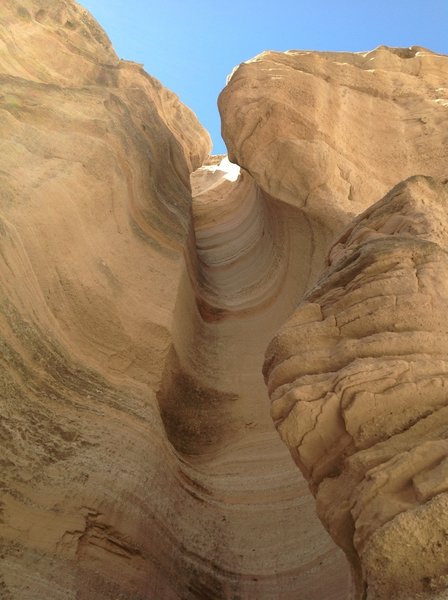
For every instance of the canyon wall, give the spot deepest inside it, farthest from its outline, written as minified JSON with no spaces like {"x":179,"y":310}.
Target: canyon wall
{"x":357,"y":375}
{"x":138,"y":455}
{"x":142,"y":281}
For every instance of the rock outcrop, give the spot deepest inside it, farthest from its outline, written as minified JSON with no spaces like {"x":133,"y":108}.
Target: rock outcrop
{"x":138,"y":458}
{"x":333,"y":132}
{"x":357,"y":376}
{"x":241,"y":283}
{"x":141,"y":281}
{"x":358,"y":388}
{"x":95,"y":213}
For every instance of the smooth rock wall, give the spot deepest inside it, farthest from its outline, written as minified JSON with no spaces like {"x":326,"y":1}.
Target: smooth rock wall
{"x":138,"y":456}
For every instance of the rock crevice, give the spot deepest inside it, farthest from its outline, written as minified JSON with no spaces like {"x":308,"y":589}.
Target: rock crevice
{"x":141,"y":282}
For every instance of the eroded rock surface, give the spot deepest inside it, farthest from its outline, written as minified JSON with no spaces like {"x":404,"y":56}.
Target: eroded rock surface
{"x":95,"y":211}
{"x":332,"y":132}
{"x":357,"y":375}
{"x":138,"y":458}
{"x":357,"y":379}
{"x":241,"y":283}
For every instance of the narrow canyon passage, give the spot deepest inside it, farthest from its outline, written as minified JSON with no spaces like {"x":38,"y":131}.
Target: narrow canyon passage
{"x":139,"y":457}
{"x":107,"y":289}
{"x":249,"y":261}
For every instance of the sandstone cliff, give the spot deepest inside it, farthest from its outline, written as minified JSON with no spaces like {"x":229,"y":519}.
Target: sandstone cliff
{"x":357,"y":375}
{"x":332,"y":132}
{"x":141,"y":282}
{"x":138,"y":456}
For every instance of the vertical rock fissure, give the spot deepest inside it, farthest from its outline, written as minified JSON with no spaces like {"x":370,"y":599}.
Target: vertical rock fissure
{"x":248,"y":260}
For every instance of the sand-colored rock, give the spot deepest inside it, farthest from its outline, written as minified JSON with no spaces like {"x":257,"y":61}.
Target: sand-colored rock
{"x":357,"y":375}
{"x":242,"y":284}
{"x":95,"y":213}
{"x":357,"y":379}
{"x":332,"y":132}
{"x":141,"y":281}
{"x":138,"y":457}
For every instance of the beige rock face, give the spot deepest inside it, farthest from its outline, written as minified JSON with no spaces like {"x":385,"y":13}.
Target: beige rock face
{"x":357,"y":376}
{"x":332,"y":132}
{"x":357,"y":379}
{"x":138,"y":457}
{"x":95,"y":212}
{"x":241,"y":284}
{"x":141,"y":281}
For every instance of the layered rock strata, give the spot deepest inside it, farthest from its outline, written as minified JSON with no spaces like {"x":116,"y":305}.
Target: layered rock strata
{"x":95,"y":213}
{"x":139,"y":459}
{"x":357,"y":379}
{"x":213,"y":400}
{"x":138,"y":456}
{"x":356,"y":376}
{"x":332,"y":132}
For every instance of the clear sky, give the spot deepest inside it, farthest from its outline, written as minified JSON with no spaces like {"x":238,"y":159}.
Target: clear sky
{"x":192,"y":45}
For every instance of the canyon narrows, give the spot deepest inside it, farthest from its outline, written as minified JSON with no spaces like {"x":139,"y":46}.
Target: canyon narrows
{"x":142,"y":281}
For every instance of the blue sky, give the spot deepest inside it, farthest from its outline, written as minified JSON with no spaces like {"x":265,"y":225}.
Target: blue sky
{"x":192,"y":45}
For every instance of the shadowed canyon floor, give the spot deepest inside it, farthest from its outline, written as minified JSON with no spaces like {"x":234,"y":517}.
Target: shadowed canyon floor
{"x":141,"y":282}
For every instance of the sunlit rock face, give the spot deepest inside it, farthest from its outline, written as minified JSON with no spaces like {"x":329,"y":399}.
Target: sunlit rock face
{"x":141,"y":283}
{"x":357,"y":379}
{"x":95,"y":213}
{"x":332,"y":132}
{"x":138,"y":457}
{"x":357,"y":376}
{"x":241,"y":283}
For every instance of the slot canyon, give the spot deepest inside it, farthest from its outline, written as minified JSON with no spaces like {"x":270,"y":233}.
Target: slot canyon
{"x":222,"y":377}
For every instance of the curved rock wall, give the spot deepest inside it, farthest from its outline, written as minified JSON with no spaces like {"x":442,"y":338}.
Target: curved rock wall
{"x":358,"y":388}
{"x":138,"y":456}
{"x":332,"y":132}
{"x":95,"y":164}
{"x":242,"y":283}
{"x":356,"y":376}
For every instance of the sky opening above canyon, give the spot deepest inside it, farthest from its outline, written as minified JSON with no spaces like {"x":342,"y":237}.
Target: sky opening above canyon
{"x":191,"y":47}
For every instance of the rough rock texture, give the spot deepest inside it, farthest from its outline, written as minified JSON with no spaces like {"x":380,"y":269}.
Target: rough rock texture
{"x":358,"y":383}
{"x":138,"y":458}
{"x":332,"y":132}
{"x":95,"y":210}
{"x":214,"y":402}
{"x":357,"y":376}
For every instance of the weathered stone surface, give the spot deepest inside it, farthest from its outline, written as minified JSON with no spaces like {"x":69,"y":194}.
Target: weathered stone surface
{"x":138,"y":458}
{"x":95,"y":210}
{"x":357,"y":375}
{"x":242,"y":283}
{"x":357,"y":379}
{"x":332,"y":132}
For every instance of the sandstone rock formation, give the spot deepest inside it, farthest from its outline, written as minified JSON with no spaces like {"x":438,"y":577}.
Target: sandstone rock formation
{"x":357,"y":375}
{"x":239,"y":286}
{"x":358,"y":388}
{"x":138,"y":456}
{"x":332,"y":132}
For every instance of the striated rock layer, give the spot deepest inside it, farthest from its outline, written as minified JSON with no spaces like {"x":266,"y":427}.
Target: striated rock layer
{"x":138,"y":458}
{"x":357,"y":376}
{"x":332,"y":132}
{"x":357,"y":379}
{"x":214,"y":403}
{"x":95,"y":213}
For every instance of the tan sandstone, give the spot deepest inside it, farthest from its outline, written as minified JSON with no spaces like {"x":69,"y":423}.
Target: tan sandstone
{"x":138,"y":458}
{"x":357,"y":375}
{"x":332,"y":132}
{"x":141,"y":281}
